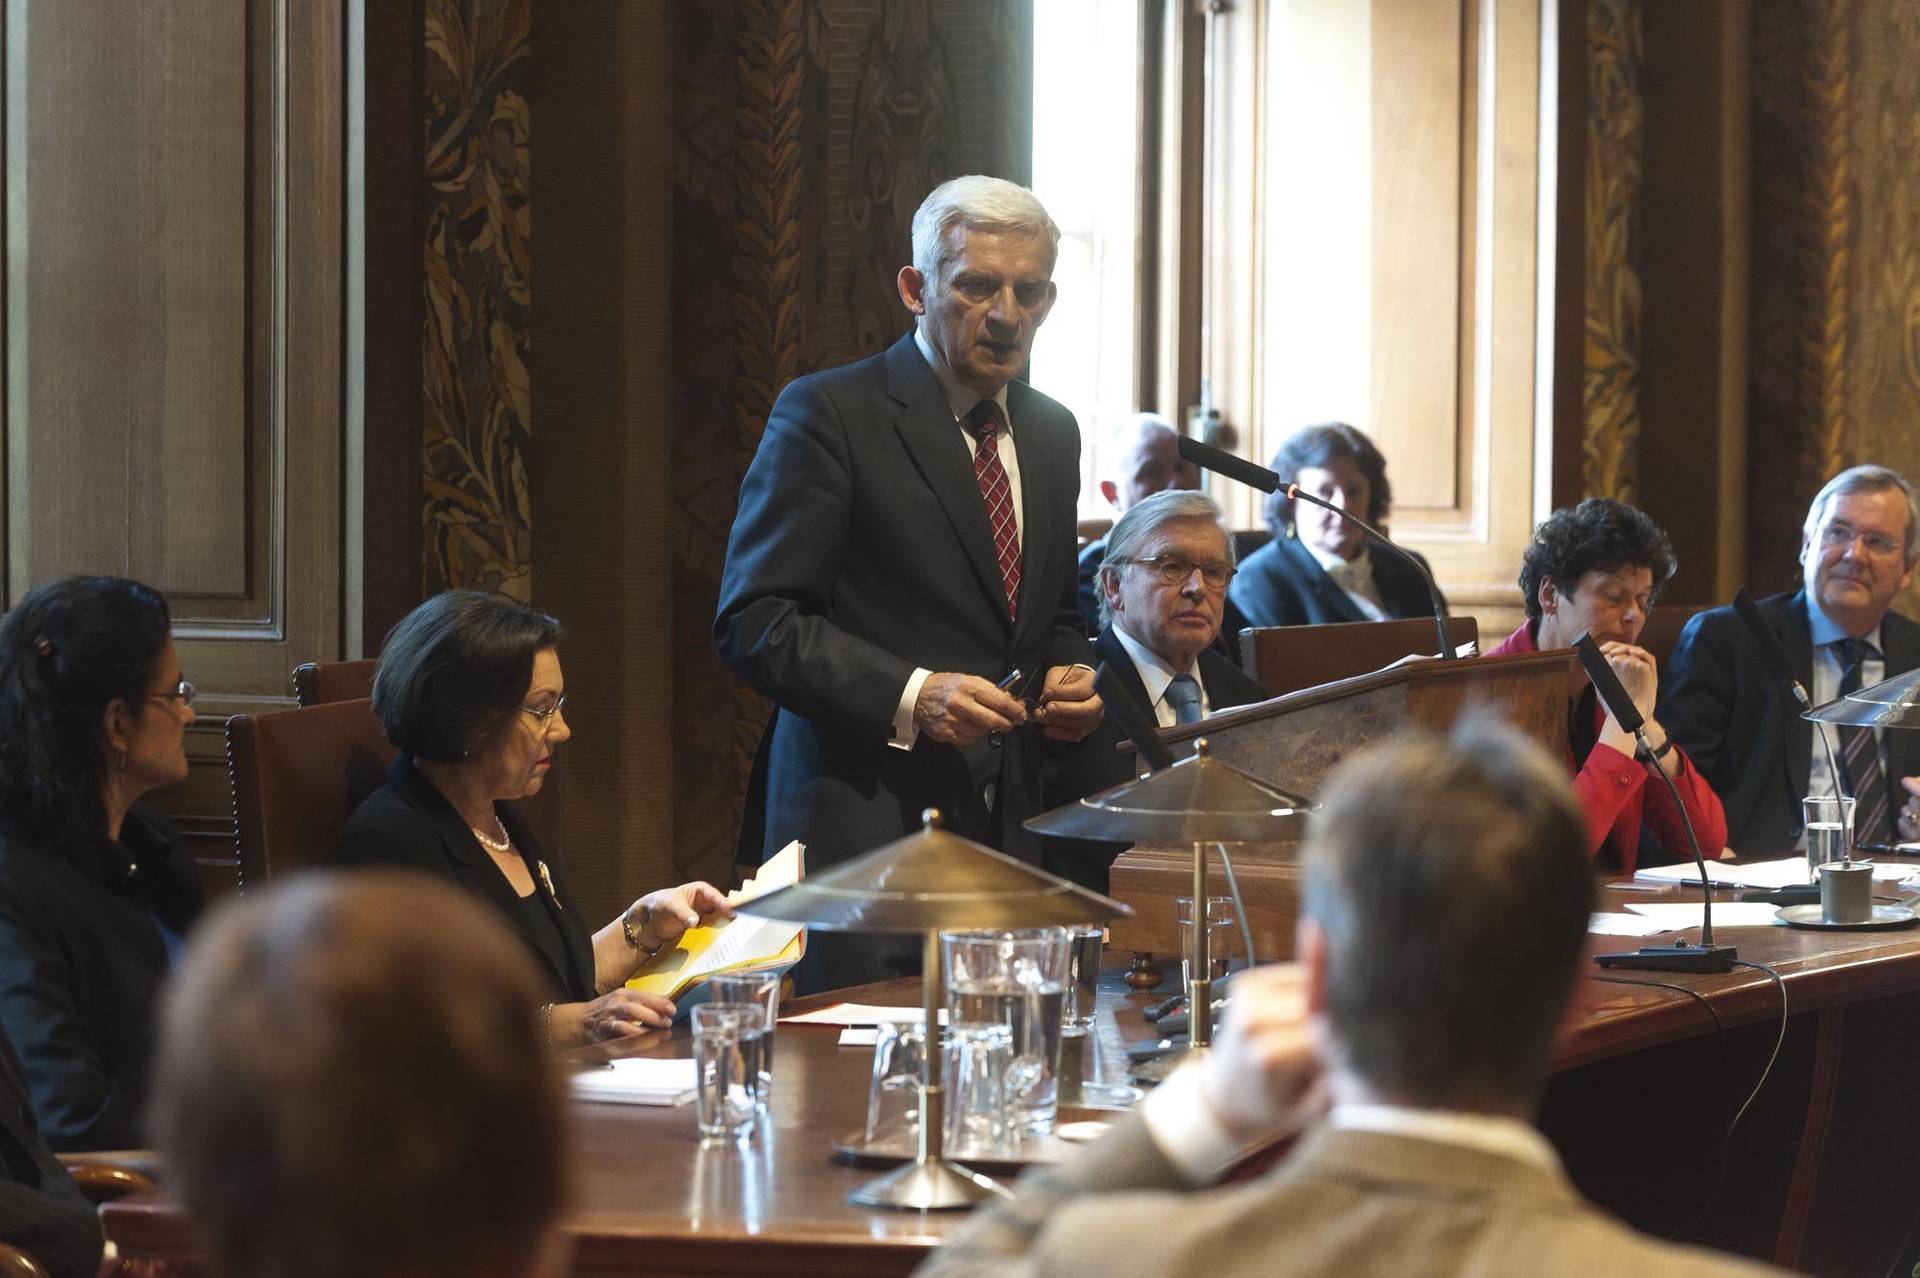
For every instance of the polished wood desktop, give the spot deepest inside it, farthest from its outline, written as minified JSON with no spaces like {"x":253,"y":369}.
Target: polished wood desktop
{"x":1816,"y":1177}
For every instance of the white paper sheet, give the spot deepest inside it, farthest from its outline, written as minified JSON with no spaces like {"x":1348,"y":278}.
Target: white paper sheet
{"x":1761,"y":874}
{"x":860,"y":1014}
{"x":1757,"y":874}
{"x":638,"y":1081}
{"x":1625,"y":925}
{"x":1675,"y":915}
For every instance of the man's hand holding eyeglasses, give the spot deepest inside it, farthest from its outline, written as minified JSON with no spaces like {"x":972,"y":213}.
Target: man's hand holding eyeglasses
{"x":1069,"y":707}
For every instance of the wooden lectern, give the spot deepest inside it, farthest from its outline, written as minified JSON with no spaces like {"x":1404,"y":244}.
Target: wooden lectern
{"x":1293,"y":742}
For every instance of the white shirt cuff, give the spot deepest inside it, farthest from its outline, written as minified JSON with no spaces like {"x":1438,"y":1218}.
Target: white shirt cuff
{"x":1183,"y":1125}
{"x":904,"y":733}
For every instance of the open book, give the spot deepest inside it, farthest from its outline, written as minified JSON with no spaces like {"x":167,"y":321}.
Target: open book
{"x":739,"y":944}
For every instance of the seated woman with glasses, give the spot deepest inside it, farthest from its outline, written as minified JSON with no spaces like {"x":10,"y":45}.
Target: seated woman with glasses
{"x":96,"y":891}
{"x":1319,"y":569}
{"x":469,"y":690}
{"x":1595,"y":569}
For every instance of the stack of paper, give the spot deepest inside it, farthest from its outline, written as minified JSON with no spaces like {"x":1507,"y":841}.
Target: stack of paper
{"x":638,"y":1082}
{"x":1757,"y":874}
{"x":739,"y":944}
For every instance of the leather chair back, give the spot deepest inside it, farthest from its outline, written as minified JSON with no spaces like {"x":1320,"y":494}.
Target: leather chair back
{"x":1288,"y":658}
{"x":315,"y":684}
{"x":297,"y":776}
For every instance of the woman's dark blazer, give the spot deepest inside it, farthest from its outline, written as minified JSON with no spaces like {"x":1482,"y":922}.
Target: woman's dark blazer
{"x":82,"y":959}
{"x":1282,"y":584}
{"x":407,"y":822}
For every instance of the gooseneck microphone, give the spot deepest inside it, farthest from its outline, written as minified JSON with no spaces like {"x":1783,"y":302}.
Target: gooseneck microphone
{"x":1780,"y":667}
{"x":1706,"y":956}
{"x":1256,"y":476}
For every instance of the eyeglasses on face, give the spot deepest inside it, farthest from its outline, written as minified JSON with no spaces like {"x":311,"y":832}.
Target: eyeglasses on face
{"x":183,"y":692}
{"x":1840,"y":535}
{"x":1173,"y":570}
{"x":544,"y":714}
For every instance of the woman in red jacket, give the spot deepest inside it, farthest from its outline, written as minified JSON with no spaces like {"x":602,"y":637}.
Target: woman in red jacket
{"x":1595,"y":568}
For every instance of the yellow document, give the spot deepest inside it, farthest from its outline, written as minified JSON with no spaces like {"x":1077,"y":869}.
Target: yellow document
{"x":739,"y":944}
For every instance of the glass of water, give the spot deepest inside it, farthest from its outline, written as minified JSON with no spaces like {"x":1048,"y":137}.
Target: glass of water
{"x":1220,"y":936}
{"x":752,"y":989}
{"x":727,"y":1047}
{"x":893,"y":1094}
{"x":1019,"y":980}
{"x":1829,"y":827}
{"x":979,"y":1074}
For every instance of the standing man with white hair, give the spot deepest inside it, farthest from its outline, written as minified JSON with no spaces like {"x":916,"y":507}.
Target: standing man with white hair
{"x":1744,"y":732}
{"x":904,"y":546}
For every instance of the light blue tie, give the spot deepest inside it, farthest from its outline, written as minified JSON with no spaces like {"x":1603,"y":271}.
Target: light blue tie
{"x":1183,"y":694}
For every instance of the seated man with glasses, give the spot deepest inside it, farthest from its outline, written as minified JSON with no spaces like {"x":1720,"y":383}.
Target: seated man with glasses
{"x":1744,"y":732}
{"x":469,"y":690}
{"x":1163,"y":588}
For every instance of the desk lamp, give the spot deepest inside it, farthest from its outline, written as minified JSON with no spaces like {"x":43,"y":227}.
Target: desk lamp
{"x":1196,"y":801}
{"x":928,"y":882}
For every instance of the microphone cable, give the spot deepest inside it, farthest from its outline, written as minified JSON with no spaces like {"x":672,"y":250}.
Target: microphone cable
{"x":1720,"y":1035}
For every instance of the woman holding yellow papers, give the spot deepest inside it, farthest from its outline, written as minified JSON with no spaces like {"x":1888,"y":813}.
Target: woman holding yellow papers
{"x":469,"y":690}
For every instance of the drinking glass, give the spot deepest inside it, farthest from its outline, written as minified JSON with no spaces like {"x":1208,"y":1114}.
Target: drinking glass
{"x":980,"y":1066}
{"x":1019,"y":980}
{"x":1083,"y":971}
{"x":893,"y":1094}
{"x":1829,"y":828}
{"x":727,"y":1045}
{"x":1220,"y":934}
{"x":752,"y":989}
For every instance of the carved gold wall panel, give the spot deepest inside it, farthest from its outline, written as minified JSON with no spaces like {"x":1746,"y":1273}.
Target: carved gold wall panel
{"x":1616,"y":119}
{"x":477,"y":401}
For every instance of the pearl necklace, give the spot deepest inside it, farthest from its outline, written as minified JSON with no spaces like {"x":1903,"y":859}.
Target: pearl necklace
{"x":496,"y":846}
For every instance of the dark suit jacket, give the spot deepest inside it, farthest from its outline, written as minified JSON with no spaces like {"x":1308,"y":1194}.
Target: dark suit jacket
{"x":1282,"y":584}
{"x":1101,"y":763}
{"x":1745,"y":733}
{"x":82,"y":960}
{"x":1226,"y":643}
{"x":41,"y":1210}
{"x":407,"y":822}
{"x":862,"y":550}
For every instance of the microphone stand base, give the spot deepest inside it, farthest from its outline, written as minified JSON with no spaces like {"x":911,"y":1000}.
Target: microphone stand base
{"x":1156,"y":1068}
{"x":1673,"y":958}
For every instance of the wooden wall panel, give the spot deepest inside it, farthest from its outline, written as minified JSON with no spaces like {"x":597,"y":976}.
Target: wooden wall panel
{"x":130,"y":247}
{"x":1419,"y":82}
{"x":1454,"y":323}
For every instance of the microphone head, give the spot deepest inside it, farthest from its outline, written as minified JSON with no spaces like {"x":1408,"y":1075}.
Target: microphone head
{"x":1607,"y":684}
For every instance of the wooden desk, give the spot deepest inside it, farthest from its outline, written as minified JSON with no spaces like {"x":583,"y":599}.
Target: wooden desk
{"x":1818,"y":1175}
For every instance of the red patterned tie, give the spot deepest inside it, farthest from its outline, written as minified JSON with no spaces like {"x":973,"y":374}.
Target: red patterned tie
{"x":986,"y":424}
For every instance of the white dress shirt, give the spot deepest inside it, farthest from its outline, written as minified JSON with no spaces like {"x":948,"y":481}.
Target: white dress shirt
{"x":961,"y":401}
{"x":1184,"y":1126}
{"x":1156,"y":674}
{"x":1355,"y":579}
